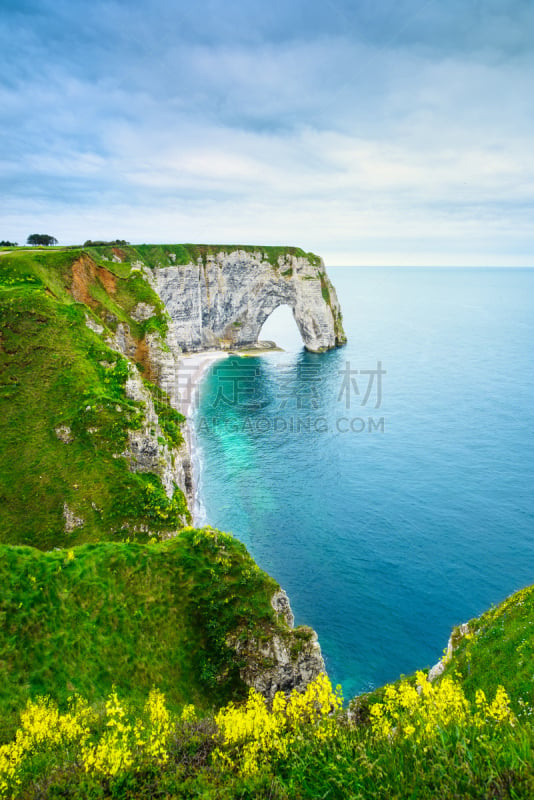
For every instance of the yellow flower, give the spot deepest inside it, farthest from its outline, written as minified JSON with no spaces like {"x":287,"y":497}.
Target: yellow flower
{"x":188,"y":713}
{"x":252,"y":735}
{"x":422,"y":711}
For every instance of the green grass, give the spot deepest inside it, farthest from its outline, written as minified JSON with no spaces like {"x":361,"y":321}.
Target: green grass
{"x":130,"y":615}
{"x":499,"y":648}
{"x":158,"y":255}
{"x":489,"y":760}
{"x":143,"y":615}
{"x":55,"y":372}
{"x":459,"y":764}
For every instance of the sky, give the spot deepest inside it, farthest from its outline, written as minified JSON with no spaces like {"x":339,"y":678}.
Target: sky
{"x":371,"y":132}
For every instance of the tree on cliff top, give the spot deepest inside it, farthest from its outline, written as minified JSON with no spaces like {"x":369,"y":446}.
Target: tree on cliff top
{"x":41,"y":239}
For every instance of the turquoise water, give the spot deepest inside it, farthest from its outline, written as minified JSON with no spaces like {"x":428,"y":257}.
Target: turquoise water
{"x":386,"y":533}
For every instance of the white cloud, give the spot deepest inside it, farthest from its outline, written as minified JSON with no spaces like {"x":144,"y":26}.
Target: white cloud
{"x":348,"y":148}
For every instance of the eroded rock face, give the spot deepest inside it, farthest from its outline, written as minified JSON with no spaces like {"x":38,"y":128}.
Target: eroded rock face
{"x":71,"y":520}
{"x":146,"y":451}
{"x":223,"y":302}
{"x":164,"y":360}
{"x":280,"y":603}
{"x":288,"y":659}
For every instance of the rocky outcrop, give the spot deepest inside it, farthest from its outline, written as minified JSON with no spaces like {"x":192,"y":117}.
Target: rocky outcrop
{"x":64,"y":434}
{"x":71,"y":520}
{"x":454,"y":639}
{"x":147,"y":451}
{"x":287,"y":659}
{"x":163,"y":357}
{"x":223,"y":300}
{"x":280,"y":604}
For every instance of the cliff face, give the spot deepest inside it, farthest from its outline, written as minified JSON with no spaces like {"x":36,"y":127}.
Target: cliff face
{"x":91,"y":352}
{"x":191,"y":298}
{"x":288,"y":659}
{"x":223,"y":299}
{"x":219,"y":298}
{"x":147,"y":450}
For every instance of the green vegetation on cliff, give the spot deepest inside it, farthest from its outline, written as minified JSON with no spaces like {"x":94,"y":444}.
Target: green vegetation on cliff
{"x":163,"y":255}
{"x":116,"y":615}
{"x":83,"y":619}
{"x":498,"y":648}
{"x":418,"y":740}
{"x":64,"y":411}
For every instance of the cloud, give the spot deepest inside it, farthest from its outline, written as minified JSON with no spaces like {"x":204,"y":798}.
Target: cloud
{"x":394,"y":133}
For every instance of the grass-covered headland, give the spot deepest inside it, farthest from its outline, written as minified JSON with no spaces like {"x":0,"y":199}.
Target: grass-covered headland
{"x":65,"y":414}
{"x":119,"y":671}
{"x":85,"y":619}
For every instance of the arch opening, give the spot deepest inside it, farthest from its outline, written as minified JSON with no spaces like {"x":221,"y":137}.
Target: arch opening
{"x":281,"y":328}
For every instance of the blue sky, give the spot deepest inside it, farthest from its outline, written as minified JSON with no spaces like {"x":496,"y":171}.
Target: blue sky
{"x":385,"y":132}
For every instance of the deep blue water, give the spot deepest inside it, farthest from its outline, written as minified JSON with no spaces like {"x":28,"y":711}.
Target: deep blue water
{"x":385,"y":539}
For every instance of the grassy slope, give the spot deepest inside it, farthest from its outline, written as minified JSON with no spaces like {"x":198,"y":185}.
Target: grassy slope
{"x":499,"y":649}
{"x":459,"y":759}
{"x":54,"y":371}
{"x":132,"y":615}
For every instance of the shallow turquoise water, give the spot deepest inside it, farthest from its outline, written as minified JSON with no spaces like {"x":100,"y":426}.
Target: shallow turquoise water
{"x":385,"y":539}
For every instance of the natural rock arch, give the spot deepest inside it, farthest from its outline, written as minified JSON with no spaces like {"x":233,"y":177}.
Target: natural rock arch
{"x":280,"y":327}
{"x":222,"y":301}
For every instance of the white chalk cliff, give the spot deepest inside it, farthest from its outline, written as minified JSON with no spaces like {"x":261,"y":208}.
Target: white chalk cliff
{"x":223,"y":299}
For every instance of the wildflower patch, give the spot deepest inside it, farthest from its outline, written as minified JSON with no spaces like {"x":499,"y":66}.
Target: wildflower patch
{"x":251,"y":736}
{"x":420,"y":712}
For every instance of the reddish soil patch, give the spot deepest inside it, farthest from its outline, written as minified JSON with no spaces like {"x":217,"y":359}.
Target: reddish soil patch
{"x":107,"y":279}
{"x":83,"y":274}
{"x":119,"y":253}
{"x":142,"y":357}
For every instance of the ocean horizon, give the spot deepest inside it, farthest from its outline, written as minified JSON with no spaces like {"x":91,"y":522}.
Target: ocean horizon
{"x":387,"y":485}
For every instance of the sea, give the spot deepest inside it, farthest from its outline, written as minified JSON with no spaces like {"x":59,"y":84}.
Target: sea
{"x":387,"y":485}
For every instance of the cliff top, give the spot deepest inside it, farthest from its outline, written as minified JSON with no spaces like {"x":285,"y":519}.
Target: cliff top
{"x":154,"y":255}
